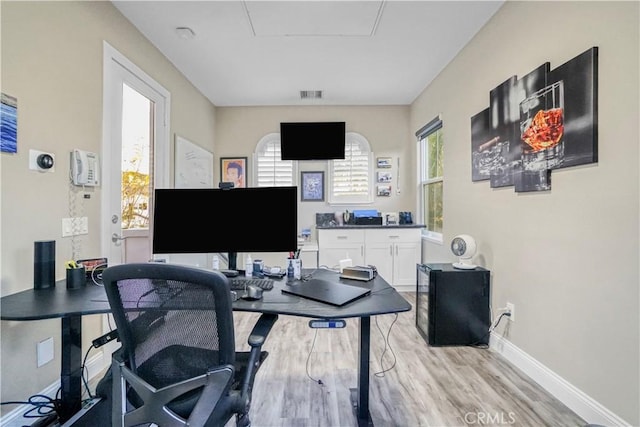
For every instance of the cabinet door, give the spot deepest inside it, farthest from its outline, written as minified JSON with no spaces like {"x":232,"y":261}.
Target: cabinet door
{"x":330,"y":256}
{"x":380,"y":255}
{"x":405,"y":258}
{"x":335,"y":245}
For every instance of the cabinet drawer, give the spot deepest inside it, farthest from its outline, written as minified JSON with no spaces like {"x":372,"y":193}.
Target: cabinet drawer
{"x":329,"y":238}
{"x":393,"y":235}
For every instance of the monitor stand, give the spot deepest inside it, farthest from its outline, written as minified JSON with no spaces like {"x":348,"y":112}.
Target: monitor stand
{"x":233,"y":258}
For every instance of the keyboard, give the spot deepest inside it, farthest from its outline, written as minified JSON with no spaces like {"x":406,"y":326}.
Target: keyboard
{"x":240,"y":284}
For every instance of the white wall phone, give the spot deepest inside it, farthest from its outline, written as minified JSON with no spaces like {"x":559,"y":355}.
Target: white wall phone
{"x":84,"y":168}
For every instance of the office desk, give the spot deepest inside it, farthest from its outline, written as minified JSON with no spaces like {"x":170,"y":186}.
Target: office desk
{"x":71,"y":305}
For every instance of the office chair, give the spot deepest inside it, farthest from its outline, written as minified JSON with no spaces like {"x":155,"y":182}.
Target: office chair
{"x":178,"y":365}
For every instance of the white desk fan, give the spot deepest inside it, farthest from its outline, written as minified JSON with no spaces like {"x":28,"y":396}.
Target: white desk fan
{"x":464,"y":246}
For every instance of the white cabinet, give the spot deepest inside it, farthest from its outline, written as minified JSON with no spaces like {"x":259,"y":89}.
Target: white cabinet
{"x":335,"y":245}
{"x":393,"y":251}
{"x":309,"y":255}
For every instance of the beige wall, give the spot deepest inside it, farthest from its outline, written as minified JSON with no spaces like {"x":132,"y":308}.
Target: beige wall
{"x":567,"y":258}
{"x":52,"y":63}
{"x":386,"y":128}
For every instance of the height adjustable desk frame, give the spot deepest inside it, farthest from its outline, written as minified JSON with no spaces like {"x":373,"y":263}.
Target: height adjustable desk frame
{"x":71,"y":305}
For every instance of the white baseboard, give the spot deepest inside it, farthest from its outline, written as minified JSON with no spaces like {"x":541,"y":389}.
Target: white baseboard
{"x":580,"y":403}
{"x":95,"y":365}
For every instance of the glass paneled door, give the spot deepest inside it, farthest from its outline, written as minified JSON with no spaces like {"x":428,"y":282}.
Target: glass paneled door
{"x":135,"y":156}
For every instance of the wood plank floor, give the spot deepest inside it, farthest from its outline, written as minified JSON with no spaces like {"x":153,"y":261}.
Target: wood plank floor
{"x":411,"y":384}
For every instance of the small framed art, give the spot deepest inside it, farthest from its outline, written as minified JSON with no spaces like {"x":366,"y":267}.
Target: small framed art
{"x":384,"y":190}
{"x":234,"y":169}
{"x":384,"y":176}
{"x":384,"y":162}
{"x":312,"y":189}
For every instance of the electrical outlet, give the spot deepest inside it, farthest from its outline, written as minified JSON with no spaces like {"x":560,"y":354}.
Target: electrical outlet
{"x":44,"y":351}
{"x":511,"y":308}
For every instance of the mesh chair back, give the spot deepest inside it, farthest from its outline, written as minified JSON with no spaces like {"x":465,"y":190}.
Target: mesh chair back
{"x":174,"y":322}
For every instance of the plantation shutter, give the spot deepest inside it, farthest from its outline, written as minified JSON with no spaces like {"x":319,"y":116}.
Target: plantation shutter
{"x":351,"y":178}
{"x":269,"y":169}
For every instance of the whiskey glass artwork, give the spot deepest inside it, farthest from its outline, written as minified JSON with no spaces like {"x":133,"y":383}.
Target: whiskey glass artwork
{"x":542,"y":128}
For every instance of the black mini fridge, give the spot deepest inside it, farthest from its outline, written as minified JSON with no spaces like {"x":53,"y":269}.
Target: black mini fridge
{"x":452,"y":305}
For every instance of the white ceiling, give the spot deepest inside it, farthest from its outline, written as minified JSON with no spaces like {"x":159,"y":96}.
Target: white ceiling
{"x":248,"y":53}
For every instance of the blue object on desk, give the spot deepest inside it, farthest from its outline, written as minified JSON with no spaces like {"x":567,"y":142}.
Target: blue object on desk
{"x":365,"y":213}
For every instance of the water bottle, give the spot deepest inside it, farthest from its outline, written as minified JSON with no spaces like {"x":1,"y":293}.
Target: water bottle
{"x":216,"y":263}
{"x":290,"y":271}
{"x":248,"y":266}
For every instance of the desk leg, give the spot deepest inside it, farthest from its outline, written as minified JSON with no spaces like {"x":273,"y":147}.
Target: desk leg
{"x":71,"y":373}
{"x":360,"y":395}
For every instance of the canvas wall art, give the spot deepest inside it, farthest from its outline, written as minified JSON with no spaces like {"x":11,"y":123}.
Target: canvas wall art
{"x":8,"y":123}
{"x":542,"y":121}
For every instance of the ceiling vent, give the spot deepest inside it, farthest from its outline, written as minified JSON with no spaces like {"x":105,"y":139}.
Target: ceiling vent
{"x":310,"y":94}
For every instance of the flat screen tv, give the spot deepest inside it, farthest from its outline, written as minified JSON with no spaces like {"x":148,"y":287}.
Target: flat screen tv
{"x":211,"y":220}
{"x":312,"y":140}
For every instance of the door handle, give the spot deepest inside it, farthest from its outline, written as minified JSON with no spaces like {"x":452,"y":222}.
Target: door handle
{"x":115,"y":238}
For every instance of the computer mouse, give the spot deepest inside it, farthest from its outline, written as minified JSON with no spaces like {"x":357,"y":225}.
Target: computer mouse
{"x":253,"y":293}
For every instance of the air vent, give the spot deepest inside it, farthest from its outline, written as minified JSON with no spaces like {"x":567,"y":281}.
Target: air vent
{"x":310,"y":94}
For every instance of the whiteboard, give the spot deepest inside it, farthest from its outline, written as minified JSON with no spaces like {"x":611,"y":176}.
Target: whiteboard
{"x":194,"y":165}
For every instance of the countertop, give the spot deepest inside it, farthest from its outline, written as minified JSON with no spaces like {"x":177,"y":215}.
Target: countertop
{"x":342,"y":227}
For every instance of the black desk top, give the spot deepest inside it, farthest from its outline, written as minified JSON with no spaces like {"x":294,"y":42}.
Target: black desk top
{"x":51,"y":303}
{"x":91,"y":299}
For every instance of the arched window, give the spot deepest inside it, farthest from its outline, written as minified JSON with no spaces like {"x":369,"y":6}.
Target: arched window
{"x":351,"y":179}
{"x":268,"y":169}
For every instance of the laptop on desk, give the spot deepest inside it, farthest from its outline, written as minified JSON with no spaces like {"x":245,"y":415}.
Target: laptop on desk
{"x":333,"y":293}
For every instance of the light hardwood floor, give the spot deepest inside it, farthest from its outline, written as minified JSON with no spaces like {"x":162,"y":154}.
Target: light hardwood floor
{"x":422,"y":385}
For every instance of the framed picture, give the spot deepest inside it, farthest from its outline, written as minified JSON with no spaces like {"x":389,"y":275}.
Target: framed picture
{"x":384,"y":162}
{"x":384,"y":176}
{"x":312,"y":189}
{"x":234,"y":169}
{"x":384,"y":190}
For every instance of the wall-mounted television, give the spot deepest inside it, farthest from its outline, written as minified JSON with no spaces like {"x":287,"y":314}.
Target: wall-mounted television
{"x":312,"y":140}
{"x":212,"y":220}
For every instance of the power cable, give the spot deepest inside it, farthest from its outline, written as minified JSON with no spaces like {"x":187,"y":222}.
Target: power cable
{"x":387,"y":345}
{"x":313,"y":343}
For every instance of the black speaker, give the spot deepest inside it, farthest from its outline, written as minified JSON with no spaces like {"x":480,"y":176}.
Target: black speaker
{"x":44,"y":264}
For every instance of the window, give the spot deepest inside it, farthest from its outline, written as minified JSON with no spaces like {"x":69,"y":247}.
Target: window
{"x":350,"y":180}
{"x":430,"y":147}
{"x":269,"y":170}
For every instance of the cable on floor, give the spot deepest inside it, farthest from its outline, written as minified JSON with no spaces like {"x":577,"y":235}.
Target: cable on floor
{"x":313,"y":343}
{"x":380,"y":374}
{"x":43,"y":405}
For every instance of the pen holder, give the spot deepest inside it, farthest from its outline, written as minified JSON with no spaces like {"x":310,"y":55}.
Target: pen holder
{"x":297,"y":268}
{"x":76,"y":278}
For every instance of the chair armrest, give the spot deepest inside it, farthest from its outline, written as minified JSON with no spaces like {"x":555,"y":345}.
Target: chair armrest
{"x":258,"y":336}
{"x":261,"y":329}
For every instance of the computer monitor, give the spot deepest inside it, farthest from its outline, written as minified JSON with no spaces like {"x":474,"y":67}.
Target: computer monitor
{"x":212,"y":220}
